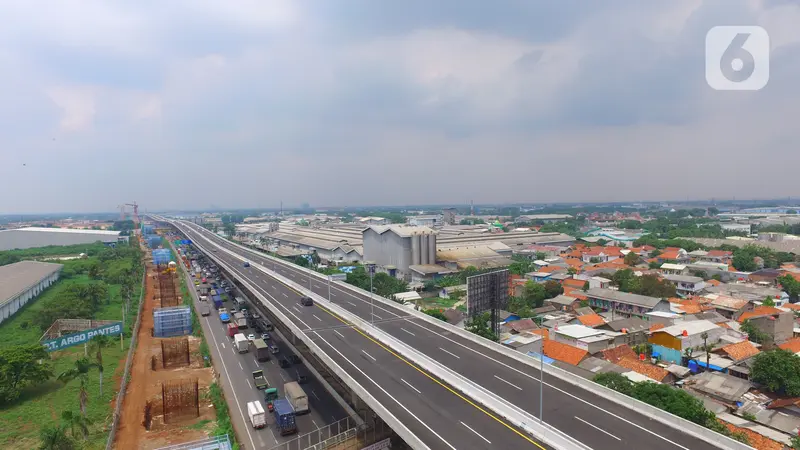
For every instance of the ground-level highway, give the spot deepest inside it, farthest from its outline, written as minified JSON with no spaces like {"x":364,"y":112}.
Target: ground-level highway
{"x":591,"y":419}
{"x":437,"y":414}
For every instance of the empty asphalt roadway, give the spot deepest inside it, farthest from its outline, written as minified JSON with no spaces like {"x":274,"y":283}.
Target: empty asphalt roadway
{"x":441,"y":417}
{"x":589,"y":418}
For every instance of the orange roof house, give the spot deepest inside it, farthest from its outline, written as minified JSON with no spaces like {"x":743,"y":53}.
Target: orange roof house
{"x":650,"y":371}
{"x":573,"y":283}
{"x":740,"y":351}
{"x":758,"y":311}
{"x":564,"y":353}
{"x":792,"y":345}
{"x":591,"y":320}
{"x":619,"y":352}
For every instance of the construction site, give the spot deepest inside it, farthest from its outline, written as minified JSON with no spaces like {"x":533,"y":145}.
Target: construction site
{"x":167,"y":400}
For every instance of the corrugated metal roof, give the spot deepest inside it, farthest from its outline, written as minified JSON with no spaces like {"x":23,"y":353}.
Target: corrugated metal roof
{"x":623,"y":297}
{"x":18,"y":277}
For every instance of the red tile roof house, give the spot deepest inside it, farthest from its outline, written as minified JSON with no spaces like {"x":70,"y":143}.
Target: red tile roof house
{"x":601,"y":254}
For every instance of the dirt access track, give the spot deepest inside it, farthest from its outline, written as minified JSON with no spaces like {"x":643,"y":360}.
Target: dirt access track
{"x":145,"y":387}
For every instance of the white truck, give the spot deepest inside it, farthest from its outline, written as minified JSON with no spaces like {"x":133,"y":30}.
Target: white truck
{"x":297,"y":397}
{"x":241,"y":342}
{"x":257,"y":415}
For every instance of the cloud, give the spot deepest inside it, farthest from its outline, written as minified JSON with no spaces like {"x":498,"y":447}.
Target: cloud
{"x":348,"y":103}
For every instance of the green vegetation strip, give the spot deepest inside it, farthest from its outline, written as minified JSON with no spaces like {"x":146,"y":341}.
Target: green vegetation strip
{"x":96,"y":287}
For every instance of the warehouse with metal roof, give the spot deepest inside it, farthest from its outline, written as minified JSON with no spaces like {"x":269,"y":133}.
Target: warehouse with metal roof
{"x":32,"y":237}
{"x":20,"y":282}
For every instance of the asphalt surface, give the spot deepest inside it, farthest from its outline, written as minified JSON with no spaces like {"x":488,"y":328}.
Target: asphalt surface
{"x":438,"y":415}
{"x":237,"y":368}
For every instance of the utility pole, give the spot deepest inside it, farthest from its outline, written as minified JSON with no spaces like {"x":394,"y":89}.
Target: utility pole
{"x":371,"y":267}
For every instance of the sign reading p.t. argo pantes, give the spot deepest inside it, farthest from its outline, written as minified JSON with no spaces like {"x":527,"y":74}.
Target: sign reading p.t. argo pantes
{"x":82,"y":337}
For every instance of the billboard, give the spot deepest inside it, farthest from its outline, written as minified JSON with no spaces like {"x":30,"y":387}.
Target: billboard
{"x":487,"y":291}
{"x":82,"y":337}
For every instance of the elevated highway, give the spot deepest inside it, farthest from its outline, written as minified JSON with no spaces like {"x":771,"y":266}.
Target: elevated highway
{"x":444,"y":418}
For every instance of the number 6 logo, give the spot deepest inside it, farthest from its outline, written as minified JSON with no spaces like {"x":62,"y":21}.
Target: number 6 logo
{"x":737,"y":58}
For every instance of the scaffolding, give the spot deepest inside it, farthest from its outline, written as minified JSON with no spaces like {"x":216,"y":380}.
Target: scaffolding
{"x":167,"y":291}
{"x":174,"y":353}
{"x":171,"y":322}
{"x":180,"y":400}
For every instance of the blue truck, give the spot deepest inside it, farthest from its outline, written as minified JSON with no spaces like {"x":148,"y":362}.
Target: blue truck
{"x":284,"y":417}
{"x":217,"y":301}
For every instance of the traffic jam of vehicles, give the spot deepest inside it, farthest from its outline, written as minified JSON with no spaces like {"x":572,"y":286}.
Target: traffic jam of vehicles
{"x":250,"y":334}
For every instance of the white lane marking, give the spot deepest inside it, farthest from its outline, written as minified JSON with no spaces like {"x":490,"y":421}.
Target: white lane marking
{"x":221,"y":343}
{"x":333,"y":293}
{"x":508,"y":382}
{"x":273,"y":435}
{"x":384,"y":391}
{"x":314,"y":393}
{"x":450,"y":353}
{"x":315,"y":316}
{"x":408,"y":332}
{"x":371,"y":357}
{"x":340,"y":334}
{"x":282,"y":377}
{"x":295,"y":308}
{"x":248,"y":382}
{"x":316,"y":286}
{"x":241,"y":366}
{"x":315,"y":424}
{"x":598,"y":428}
{"x":256,"y":361}
{"x":352,"y":304}
{"x":379,"y":317}
{"x":553,"y":387}
{"x":272,"y":361}
{"x":225,"y":368}
{"x":476,"y":433}
{"x":409,"y":385}
{"x":284,"y":294}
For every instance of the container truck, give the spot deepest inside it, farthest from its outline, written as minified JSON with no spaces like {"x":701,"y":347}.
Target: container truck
{"x":205,"y":310}
{"x":241,"y":342}
{"x":262,"y":350}
{"x":232,"y":330}
{"x":241,"y":320}
{"x":296,"y":396}
{"x":217,"y":301}
{"x":257,"y":415}
{"x":284,"y":417}
{"x":259,"y":380}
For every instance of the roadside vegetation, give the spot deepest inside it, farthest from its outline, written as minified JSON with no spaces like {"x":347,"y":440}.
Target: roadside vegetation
{"x":66,"y":400}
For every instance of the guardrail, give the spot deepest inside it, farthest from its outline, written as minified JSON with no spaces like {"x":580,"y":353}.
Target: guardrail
{"x":126,"y":373}
{"x":410,"y":438}
{"x":679,"y":424}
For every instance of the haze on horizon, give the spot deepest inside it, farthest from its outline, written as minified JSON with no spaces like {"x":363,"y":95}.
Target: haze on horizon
{"x":188,"y":104}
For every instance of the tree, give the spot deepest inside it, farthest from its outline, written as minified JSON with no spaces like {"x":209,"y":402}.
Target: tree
{"x":77,"y":421}
{"x":632,"y":259}
{"x":572,"y":271}
{"x":20,"y":366}
{"x":80,"y":371}
{"x":706,"y":348}
{"x":553,"y":289}
{"x":795,"y":442}
{"x":315,"y":259}
{"x":301,"y":260}
{"x":768,"y":302}
{"x":594,"y":260}
{"x":778,"y":370}
{"x":615,"y":381}
{"x":97,"y":343}
{"x":435,"y":313}
{"x":753,"y":333}
{"x":55,"y":437}
{"x":534,"y":294}
{"x":95,"y":271}
{"x":230,"y":229}
{"x":791,"y":286}
{"x":480,"y":325}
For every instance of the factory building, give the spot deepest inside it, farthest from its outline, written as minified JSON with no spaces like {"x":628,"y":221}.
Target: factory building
{"x":395,"y":249}
{"x":20,"y":282}
{"x":32,"y":237}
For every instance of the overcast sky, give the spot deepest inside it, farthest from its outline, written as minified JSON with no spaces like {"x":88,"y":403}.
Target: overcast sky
{"x":193,"y":103}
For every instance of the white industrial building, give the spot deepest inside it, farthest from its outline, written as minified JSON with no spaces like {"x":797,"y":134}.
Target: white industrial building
{"x":32,"y":237}
{"x":396,"y":249}
{"x":20,"y":282}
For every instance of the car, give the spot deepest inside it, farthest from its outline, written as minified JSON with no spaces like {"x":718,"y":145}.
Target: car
{"x":274,"y":349}
{"x":306,"y":301}
{"x":227,"y":289}
{"x":247,"y":263}
{"x":294,"y":359}
{"x":251,"y":337}
{"x":265,"y":336}
{"x":284,"y":362}
{"x":214,"y":250}
{"x":300,"y":376}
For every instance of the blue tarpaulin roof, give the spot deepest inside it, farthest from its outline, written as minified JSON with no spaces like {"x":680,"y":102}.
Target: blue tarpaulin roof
{"x":536,"y":355}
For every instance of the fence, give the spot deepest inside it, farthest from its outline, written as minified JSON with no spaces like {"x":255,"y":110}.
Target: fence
{"x":213,"y":443}
{"x":346,"y":434}
{"x":167,"y":291}
{"x":126,"y":374}
{"x":174,"y":353}
{"x":180,"y":400}
{"x":170,"y":322}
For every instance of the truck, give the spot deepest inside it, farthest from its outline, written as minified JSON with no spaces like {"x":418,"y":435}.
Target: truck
{"x":217,"y":301}
{"x":259,"y":380}
{"x":241,"y":320}
{"x":262,"y":350}
{"x":296,"y":397}
{"x":284,"y":417}
{"x":205,"y":310}
{"x":232,"y":330}
{"x":241,"y":342}
{"x":257,"y":415}
{"x":239,"y":301}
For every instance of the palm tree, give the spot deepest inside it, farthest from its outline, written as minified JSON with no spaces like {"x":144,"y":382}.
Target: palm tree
{"x":77,"y":420}
{"x":707,"y":349}
{"x":81,"y":372}
{"x":55,"y":438}
{"x":98,"y":342}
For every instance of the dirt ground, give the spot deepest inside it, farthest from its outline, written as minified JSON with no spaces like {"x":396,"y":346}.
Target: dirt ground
{"x":145,"y":385}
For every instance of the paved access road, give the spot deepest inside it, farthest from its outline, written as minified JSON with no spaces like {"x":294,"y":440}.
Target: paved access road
{"x":441,"y":417}
{"x":591,"y":419}
{"x":237,"y":369}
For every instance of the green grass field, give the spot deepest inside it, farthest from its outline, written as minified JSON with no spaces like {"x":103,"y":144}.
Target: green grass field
{"x":43,"y":404}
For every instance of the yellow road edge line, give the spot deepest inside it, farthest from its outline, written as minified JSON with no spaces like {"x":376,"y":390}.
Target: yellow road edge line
{"x":479,"y":408}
